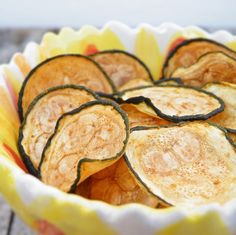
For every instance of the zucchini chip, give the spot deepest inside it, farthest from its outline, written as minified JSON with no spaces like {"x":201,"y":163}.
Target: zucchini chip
{"x":85,"y":141}
{"x":41,"y":117}
{"x":213,"y":66}
{"x":188,"y":52}
{"x":117,"y":186}
{"x":122,"y":66}
{"x":137,"y":82}
{"x":174,"y":103}
{"x":137,"y":118}
{"x":187,"y":164}
{"x":227,"y":92}
{"x":61,"y":70}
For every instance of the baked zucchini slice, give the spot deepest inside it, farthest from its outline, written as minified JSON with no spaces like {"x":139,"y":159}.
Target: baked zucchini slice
{"x":137,"y":118}
{"x":60,"y":70}
{"x":187,"y":164}
{"x":211,"y":67}
{"x":169,"y":81}
{"x":137,"y":82}
{"x":41,"y":117}
{"x":227,"y":92}
{"x":117,"y":186}
{"x":174,"y":103}
{"x":85,"y":141}
{"x":122,"y":66}
{"x":189,"y":51}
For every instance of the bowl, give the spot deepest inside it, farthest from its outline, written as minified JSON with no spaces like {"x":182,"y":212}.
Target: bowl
{"x":48,"y":210}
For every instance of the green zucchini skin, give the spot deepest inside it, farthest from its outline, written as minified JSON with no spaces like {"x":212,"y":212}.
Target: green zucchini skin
{"x":231,"y":130}
{"x":21,"y":93}
{"x":187,"y":42}
{"x":75,"y":111}
{"x":106,"y":96}
{"x":163,"y":80}
{"x":25,"y":157}
{"x":116,"y":51}
{"x":173,"y":118}
{"x":140,"y":128}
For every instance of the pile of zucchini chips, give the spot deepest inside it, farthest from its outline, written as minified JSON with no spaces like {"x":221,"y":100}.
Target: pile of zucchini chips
{"x":99,"y":126}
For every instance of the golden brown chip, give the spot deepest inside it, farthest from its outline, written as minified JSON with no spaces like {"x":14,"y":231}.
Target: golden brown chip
{"x":188,"y":52}
{"x":85,"y":141}
{"x":122,"y":66}
{"x":186,"y":165}
{"x":227,"y":92}
{"x":211,"y":67}
{"x":117,"y":186}
{"x":174,"y":103}
{"x":42,"y":116}
{"x":137,"y":118}
{"x":61,"y":70}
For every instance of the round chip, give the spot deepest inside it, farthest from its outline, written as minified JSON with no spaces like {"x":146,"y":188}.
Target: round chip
{"x":41,"y":118}
{"x":211,"y":67}
{"x":189,"y":51}
{"x":60,"y":70}
{"x":85,"y":141}
{"x":122,"y":66}
{"x":186,"y":165}
{"x":174,"y":103}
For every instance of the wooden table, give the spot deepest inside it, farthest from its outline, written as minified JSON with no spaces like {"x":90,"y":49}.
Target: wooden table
{"x":11,"y":41}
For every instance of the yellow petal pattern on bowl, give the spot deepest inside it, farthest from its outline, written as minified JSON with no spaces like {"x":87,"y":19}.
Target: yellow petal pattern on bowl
{"x":208,"y":224}
{"x":69,"y":41}
{"x":146,"y":48}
